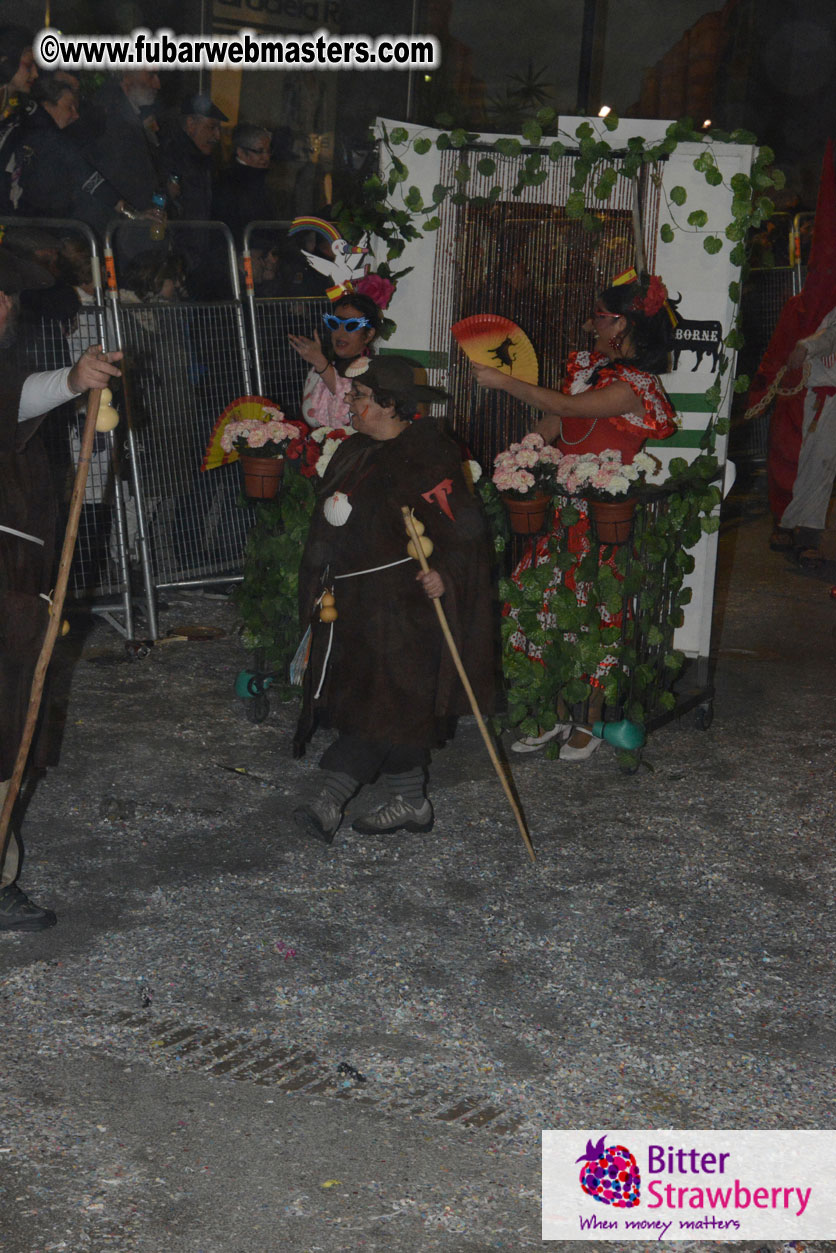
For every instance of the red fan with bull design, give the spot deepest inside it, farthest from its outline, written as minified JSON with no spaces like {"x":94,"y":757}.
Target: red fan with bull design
{"x":489,"y":339}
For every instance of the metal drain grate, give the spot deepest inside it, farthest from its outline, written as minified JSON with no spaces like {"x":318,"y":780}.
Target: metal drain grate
{"x":290,"y":1069}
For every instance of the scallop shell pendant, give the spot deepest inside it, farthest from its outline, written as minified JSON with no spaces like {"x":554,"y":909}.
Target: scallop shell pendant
{"x":337,"y":509}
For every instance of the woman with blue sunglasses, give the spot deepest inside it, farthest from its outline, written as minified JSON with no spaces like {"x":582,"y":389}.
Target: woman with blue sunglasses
{"x":352,"y":324}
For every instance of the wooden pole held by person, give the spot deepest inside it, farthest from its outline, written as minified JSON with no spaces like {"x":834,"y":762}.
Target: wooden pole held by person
{"x":54,"y":621}
{"x":409,"y":523}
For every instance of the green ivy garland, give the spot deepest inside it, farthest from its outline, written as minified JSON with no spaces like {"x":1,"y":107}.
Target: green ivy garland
{"x":593,"y":174}
{"x":267,"y":598}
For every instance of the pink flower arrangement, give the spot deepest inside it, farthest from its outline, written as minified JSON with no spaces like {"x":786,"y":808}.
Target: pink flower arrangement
{"x":526,"y":469}
{"x":377,"y":288}
{"x":267,"y":436}
{"x":602,"y":475}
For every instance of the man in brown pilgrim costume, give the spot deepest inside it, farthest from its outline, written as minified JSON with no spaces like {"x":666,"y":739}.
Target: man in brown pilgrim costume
{"x":380,"y":673}
{"x":27,"y":546}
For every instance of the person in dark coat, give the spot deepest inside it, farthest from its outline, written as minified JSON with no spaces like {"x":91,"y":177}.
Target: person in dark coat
{"x":18,"y":70}
{"x":380,"y":673}
{"x":187,"y":153}
{"x":241,"y":193}
{"x":56,"y":179}
{"x":17,"y":74}
{"x":116,"y":141}
{"x":27,"y":547}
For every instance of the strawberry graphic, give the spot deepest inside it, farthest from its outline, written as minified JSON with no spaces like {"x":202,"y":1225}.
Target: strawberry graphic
{"x":610,"y":1175}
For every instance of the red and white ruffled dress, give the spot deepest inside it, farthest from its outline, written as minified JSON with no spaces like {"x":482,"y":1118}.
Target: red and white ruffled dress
{"x":625,"y":432}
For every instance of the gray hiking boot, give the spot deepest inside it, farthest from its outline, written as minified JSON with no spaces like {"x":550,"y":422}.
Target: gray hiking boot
{"x":396,"y":815}
{"x":321,"y":818}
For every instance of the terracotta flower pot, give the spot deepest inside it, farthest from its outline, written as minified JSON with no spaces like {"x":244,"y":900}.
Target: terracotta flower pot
{"x":527,"y":516}
{"x":613,"y":520}
{"x":262,"y":476}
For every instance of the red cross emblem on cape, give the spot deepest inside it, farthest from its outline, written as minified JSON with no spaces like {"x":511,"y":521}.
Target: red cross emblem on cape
{"x":439,"y":494}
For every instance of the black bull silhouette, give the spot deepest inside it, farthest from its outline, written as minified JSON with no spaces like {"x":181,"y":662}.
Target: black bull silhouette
{"x":701,"y":338}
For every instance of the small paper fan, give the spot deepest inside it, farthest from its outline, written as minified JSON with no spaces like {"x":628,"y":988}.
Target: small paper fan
{"x":489,"y":339}
{"x":245,"y":408}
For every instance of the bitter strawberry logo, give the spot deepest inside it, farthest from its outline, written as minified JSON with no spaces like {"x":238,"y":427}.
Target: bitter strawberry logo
{"x":610,"y":1175}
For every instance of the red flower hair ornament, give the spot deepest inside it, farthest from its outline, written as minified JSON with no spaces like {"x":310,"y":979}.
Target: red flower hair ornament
{"x":653,"y":299}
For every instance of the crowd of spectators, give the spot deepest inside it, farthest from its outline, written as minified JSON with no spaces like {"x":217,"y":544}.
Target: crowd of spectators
{"x":118,"y":156}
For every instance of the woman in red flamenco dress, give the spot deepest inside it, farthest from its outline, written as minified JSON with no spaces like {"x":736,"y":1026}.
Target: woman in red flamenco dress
{"x":611,"y":399}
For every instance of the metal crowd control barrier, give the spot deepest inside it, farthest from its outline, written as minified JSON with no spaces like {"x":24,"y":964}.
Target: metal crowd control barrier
{"x":280,"y":372}
{"x":153,"y":519}
{"x":764,"y":295}
{"x":184,"y":363}
{"x":51,"y":335}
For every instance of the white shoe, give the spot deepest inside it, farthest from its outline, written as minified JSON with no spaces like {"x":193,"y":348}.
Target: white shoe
{"x":569,"y":753}
{"x":530,"y":743}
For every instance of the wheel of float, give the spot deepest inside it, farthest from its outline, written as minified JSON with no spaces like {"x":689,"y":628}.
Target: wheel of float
{"x":704,"y":716}
{"x":634,"y":766}
{"x":257,"y":708}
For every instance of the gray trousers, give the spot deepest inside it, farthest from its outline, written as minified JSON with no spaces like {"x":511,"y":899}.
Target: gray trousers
{"x":816,"y":466}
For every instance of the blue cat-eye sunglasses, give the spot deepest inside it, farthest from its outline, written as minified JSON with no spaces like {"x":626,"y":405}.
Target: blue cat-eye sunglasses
{"x":348,"y":324}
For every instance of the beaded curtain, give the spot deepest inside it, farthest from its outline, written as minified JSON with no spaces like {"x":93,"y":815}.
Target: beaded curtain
{"x":524,"y":259}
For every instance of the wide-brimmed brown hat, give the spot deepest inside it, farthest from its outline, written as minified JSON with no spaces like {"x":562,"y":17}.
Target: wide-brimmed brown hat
{"x":17,"y":274}
{"x":395,"y":376}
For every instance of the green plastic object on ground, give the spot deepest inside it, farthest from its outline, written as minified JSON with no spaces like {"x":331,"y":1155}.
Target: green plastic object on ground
{"x":249,"y":684}
{"x":623,"y":734}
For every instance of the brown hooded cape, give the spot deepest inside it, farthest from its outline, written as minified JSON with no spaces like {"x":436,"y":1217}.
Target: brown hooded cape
{"x":389,"y":675}
{"x":27,"y":503}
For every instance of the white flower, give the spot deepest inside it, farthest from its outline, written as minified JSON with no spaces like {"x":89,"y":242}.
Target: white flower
{"x":475,"y":471}
{"x":329,"y":448}
{"x":618,"y":485}
{"x":646,"y":463}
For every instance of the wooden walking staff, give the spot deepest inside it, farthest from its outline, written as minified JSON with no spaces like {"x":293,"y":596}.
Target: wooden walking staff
{"x":409,"y":523}
{"x":54,"y":622}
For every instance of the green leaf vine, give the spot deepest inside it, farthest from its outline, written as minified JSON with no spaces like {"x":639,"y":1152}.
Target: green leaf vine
{"x":396,"y":220}
{"x":267,"y":599}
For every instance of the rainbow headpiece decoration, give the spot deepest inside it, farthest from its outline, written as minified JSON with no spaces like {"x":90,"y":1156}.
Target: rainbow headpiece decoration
{"x":326,"y":229}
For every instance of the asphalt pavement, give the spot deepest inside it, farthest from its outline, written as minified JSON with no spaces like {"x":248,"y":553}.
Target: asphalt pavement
{"x":238,"y":1040}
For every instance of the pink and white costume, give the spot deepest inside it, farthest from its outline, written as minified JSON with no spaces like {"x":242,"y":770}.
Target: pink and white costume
{"x":321,"y":406}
